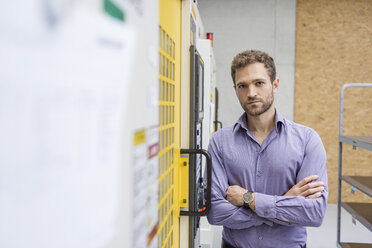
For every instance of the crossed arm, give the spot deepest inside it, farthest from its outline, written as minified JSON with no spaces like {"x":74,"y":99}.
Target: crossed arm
{"x":305,"y":188}
{"x":303,"y":204}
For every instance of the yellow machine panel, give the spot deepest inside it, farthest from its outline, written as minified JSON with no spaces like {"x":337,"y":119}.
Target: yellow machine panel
{"x":169,"y":121}
{"x":184,"y":180}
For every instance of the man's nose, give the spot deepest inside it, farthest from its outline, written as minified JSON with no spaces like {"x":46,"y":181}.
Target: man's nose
{"x":251,"y":91}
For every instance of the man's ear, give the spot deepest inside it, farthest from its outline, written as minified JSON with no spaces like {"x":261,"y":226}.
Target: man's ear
{"x":275,"y":85}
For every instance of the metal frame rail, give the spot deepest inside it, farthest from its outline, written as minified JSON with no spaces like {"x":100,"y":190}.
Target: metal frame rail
{"x":355,"y":141}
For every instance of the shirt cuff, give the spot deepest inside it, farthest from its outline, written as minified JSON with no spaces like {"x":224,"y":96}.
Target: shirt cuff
{"x":265,"y":205}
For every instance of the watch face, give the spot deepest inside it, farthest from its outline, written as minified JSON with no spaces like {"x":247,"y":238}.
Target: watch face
{"x":247,"y":197}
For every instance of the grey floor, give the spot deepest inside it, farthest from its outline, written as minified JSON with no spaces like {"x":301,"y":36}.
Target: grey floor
{"x":325,"y":235}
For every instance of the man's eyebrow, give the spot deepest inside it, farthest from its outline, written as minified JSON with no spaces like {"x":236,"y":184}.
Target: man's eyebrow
{"x":254,"y":80}
{"x":258,"y":79}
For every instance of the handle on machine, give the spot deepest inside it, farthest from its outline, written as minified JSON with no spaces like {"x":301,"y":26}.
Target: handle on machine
{"x":209,"y":182}
{"x":216,"y":124}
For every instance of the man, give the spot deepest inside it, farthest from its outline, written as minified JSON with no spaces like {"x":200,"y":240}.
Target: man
{"x":269,"y":177}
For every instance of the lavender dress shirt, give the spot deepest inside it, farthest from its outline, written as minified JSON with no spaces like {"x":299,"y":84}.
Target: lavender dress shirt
{"x":289,"y":153}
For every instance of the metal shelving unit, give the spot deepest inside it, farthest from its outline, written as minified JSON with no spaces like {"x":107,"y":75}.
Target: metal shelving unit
{"x":360,"y":211}
{"x":364,"y":184}
{"x":354,"y":245}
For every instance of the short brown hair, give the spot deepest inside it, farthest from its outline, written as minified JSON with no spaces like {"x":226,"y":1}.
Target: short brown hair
{"x":250,"y":57}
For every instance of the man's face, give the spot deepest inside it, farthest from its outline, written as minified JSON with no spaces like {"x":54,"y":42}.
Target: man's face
{"x":254,"y":89}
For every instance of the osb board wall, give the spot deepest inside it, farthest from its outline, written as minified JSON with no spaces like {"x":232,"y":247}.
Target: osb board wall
{"x":334,"y":47}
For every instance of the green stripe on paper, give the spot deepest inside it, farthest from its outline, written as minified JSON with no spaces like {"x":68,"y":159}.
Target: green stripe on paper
{"x":113,"y":10}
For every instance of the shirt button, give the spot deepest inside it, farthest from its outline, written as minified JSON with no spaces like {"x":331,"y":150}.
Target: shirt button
{"x":265,"y":213}
{"x":260,"y":238}
{"x":259,"y":173}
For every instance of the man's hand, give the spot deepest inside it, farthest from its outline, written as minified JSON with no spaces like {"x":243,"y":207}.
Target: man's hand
{"x":234,"y":194}
{"x":306,"y":188}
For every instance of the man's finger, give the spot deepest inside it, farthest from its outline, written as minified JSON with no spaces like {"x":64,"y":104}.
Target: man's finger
{"x":311,"y":185}
{"x":308,"y":179}
{"x":313,"y":196}
{"x":312,"y":191}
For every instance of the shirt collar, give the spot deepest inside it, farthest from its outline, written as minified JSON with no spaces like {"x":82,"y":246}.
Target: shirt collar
{"x":242,"y":121}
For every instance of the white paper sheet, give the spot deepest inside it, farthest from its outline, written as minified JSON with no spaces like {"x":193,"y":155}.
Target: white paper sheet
{"x":62,"y":107}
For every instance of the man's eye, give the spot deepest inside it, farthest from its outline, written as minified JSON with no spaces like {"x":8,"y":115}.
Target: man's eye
{"x":241,"y":86}
{"x":260,"y":83}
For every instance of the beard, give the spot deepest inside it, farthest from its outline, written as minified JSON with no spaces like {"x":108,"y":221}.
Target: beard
{"x":254,"y":110}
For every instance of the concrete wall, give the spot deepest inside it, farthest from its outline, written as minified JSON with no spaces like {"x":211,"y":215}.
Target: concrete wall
{"x":238,"y":25}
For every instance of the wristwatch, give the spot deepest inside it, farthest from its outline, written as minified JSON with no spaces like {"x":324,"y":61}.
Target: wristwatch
{"x":247,"y":199}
